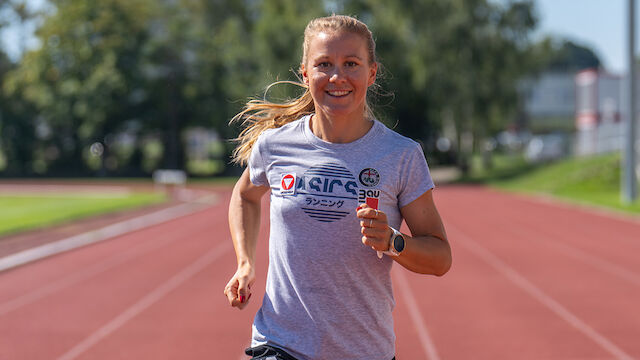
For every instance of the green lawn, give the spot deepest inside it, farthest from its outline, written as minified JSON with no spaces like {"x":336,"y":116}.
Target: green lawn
{"x":587,"y":180}
{"x":24,"y":212}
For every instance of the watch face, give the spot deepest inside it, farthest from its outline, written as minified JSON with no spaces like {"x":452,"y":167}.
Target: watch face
{"x":398,"y":243}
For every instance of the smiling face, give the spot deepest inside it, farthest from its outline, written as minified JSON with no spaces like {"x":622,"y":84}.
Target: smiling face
{"x":338,"y":71}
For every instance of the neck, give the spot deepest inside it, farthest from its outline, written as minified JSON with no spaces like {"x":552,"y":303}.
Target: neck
{"x":339,"y":130}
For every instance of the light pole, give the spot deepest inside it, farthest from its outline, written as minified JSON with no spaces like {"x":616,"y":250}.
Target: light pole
{"x":629,"y":176}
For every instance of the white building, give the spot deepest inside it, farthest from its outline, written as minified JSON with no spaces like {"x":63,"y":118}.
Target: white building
{"x":599,"y":112}
{"x":550,"y":102}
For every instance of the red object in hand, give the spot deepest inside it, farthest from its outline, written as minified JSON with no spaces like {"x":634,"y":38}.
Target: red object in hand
{"x":372,"y":202}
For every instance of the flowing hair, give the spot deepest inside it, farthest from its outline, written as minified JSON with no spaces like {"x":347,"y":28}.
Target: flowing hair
{"x":259,"y":115}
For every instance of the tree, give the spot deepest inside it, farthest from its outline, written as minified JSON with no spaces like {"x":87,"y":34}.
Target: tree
{"x":16,"y":130}
{"x":153,"y":68}
{"x":150,"y":67}
{"x":80,"y":80}
{"x":451,"y":61}
{"x":562,"y":55}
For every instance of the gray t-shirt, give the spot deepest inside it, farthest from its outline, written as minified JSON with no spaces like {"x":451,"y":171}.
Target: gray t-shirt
{"x":328,"y":296}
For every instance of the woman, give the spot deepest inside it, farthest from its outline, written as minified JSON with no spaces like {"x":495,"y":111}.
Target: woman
{"x":341,"y":183}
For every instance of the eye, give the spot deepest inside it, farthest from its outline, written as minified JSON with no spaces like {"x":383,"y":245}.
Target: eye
{"x":324,"y":64}
{"x":351,"y":64}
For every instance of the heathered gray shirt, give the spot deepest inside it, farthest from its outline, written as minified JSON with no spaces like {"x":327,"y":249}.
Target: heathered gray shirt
{"x":328,"y":296}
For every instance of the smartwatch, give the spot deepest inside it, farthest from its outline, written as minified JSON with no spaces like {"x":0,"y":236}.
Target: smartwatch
{"x":396,"y":243}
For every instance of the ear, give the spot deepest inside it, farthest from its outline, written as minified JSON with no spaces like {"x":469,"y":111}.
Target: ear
{"x":303,"y":72}
{"x":373,"y":70}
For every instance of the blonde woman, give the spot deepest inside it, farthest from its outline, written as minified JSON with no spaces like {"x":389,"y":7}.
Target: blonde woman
{"x":341,"y":183}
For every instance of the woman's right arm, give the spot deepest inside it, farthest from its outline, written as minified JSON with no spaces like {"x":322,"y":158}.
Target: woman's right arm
{"x":244,"y":224}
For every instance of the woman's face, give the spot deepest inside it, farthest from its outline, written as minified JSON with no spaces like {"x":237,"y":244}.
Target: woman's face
{"x":338,"y":73}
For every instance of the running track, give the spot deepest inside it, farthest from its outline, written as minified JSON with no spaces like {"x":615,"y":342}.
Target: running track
{"x":530,"y":280}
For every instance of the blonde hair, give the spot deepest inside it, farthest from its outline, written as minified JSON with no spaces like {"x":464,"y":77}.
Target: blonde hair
{"x":259,"y":115}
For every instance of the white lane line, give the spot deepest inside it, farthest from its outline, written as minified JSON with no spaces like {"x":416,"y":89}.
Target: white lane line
{"x":148,"y":300}
{"x":86,"y":273}
{"x":583,"y":207}
{"x":416,"y":316}
{"x":581,"y":255}
{"x":466,"y":241}
{"x":107,"y":232}
{"x":600,"y":264}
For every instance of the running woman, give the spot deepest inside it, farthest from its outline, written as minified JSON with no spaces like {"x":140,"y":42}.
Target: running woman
{"x":341,"y":183}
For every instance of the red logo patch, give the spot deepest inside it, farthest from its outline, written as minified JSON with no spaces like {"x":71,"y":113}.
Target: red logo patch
{"x":288,"y":181}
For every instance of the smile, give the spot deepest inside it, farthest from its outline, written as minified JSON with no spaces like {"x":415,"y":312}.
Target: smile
{"x":338,"y":93}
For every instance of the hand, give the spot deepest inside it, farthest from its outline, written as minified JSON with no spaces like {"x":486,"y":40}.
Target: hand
{"x":374,"y":227}
{"x":238,"y":290}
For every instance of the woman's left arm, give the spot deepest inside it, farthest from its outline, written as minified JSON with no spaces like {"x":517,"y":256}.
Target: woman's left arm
{"x":426,"y":251}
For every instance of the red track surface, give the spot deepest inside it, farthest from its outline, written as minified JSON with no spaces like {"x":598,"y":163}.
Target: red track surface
{"x":530,"y":280}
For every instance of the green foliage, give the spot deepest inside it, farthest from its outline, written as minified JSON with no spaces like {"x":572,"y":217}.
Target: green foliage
{"x":565,"y":56}
{"x":451,"y":61}
{"x":16,"y":131}
{"x":504,"y":167}
{"x":133,"y":75}
{"x":78,"y":82}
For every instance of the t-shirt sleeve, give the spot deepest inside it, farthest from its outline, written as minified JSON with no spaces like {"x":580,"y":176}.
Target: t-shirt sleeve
{"x":257,"y":166}
{"x":415,"y":178}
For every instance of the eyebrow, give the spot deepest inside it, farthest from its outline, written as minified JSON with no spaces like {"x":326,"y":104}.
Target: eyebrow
{"x":322,"y":57}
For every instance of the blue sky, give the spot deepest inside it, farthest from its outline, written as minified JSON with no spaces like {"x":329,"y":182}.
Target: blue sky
{"x":598,"y":24}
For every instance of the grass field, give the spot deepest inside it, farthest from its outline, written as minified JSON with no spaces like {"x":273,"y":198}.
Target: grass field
{"x":21,"y":212}
{"x":589,"y":180}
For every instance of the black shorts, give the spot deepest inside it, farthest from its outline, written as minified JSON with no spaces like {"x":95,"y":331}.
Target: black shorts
{"x":264,"y":352}
{"x":268,"y":352}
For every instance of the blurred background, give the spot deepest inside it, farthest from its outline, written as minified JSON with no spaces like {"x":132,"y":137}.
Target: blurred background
{"x":491,"y":88}
{"x":97,"y":98}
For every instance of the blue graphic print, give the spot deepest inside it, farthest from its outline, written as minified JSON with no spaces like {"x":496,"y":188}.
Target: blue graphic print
{"x":330,"y":191}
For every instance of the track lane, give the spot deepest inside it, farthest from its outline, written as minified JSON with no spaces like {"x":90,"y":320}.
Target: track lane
{"x":414,"y":332}
{"x":609,"y":236}
{"x":601,"y":299}
{"x":194,"y":321}
{"x":64,"y":317}
{"x":144,"y":303}
{"x":475,"y":311}
{"x":32,"y":291}
{"x":542,"y":297}
{"x":33,"y":276}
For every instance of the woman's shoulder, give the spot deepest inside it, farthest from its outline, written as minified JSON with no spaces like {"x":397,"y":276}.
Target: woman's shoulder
{"x":282,"y":133}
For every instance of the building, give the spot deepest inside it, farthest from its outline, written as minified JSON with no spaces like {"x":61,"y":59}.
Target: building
{"x":599,"y":125}
{"x":549,"y":102}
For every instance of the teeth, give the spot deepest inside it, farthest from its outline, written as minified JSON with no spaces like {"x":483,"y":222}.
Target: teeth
{"x":338,"y":93}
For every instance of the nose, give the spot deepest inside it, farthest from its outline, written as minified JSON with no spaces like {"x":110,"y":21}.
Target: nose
{"x":338,"y":75}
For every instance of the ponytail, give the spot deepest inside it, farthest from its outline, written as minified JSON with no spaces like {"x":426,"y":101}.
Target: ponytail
{"x":260,"y":115}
